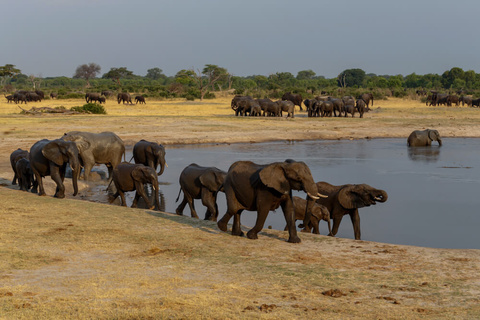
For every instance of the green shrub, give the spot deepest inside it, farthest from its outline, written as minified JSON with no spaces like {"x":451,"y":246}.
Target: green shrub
{"x":90,"y":108}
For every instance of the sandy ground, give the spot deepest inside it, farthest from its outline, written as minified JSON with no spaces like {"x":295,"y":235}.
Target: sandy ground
{"x":387,"y":281}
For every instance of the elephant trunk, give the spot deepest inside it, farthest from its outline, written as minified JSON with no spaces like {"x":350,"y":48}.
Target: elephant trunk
{"x":162,"y":164}
{"x":157,"y":196}
{"x":308,"y":214}
{"x":382,"y":196}
{"x":75,"y":166}
{"x":439,"y":141}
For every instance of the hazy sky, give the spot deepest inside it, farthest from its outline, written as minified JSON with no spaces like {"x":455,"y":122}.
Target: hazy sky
{"x":247,"y":37}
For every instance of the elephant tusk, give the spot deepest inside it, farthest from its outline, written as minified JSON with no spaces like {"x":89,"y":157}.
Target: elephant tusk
{"x":322,"y":195}
{"x":312,"y":196}
{"x":166,"y":165}
{"x":378,"y":199}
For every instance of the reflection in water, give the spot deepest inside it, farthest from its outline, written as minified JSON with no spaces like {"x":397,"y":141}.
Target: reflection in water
{"x":424,"y":154}
{"x":425,"y":186}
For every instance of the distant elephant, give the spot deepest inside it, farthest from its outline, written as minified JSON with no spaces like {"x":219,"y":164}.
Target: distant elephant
{"x":350,"y":109}
{"x":14,"y":157}
{"x":309,"y":103}
{"x":50,"y":158}
{"x":423,"y":138}
{"x":286,"y":106}
{"x":361,"y":107}
{"x":106,"y":93}
{"x":140,"y":99}
{"x":102,"y":100}
{"x":92,"y":97}
{"x":198,"y":182}
{"x":347,"y":199}
{"x":53,"y":95}
{"x":150,"y":154}
{"x":465,"y":100}
{"x":133,"y":177}
{"x":453,"y":99}
{"x":269,"y":107}
{"x":235,"y":102}
{"x":367,"y":97}
{"x":102,"y":148}
{"x":33,"y":96}
{"x":325,"y":108}
{"x":294,"y":97}
{"x":319,"y":213}
{"x":10,"y":98}
{"x":262,"y":188}
{"x":476,"y":102}
{"x":338,"y":105}
{"x":25,"y":174}
{"x":124,"y":97}
{"x":247,"y":106}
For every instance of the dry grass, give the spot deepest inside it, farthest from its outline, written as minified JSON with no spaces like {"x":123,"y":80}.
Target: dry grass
{"x":76,"y":259}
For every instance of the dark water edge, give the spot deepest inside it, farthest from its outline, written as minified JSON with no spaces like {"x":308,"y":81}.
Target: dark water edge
{"x":433,"y":191}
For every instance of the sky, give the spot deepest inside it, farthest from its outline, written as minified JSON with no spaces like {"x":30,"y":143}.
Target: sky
{"x":49,"y":38}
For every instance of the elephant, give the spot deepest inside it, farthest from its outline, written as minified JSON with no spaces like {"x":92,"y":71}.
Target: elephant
{"x":40,"y":93}
{"x":286,"y":106}
{"x":423,"y":138}
{"x":338,"y":105}
{"x":10,"y":98}
{"x":350,"y":109}
{"x":19,"y":97}
{"x":248,"y":106}
{"x":133,"y":177}
{"x":92,"y":96}
{"x":102,"y":100}
{"x":124,"y":97}
{"x":438,"y":99}
{"x":476,"y":102}
{"x":106,"y":93}
{"x":367,"y":97}
{"x":235,"y":102}
{"x":198,"y":182}
{"x":269,"y":107}
{"x":309,"y":103}
{"x":347,"y":199}
{"x":150,"y":154}
{"x":294,"y":97}
{"x":50,"y":158}
{"x":33,"y":96}
{"x":53,"y":95}
{"x":348,"y":100}
{"x":104,"y":148}
{"x":25,"y":174}
{"x":325,"y":108}
{"x":319,"y":213}
{"x":140,"y":99}
{"x":453,"y":99}
{"x":262,"y":188}
{"x":14,"y":157}
{"x":361,"y":106}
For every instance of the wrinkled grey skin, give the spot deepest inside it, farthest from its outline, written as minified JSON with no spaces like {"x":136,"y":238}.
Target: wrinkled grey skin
{"x":423,"y":138}
{"x":14,"y":157}
{"x":199,"y":182}
{"x":347,"y":199}
{"x":319,"y":212}
{"x":150,"y":154}
{"x":25,"y":174}
{"x":102,"y":148}
{"x":133,"y":177}
{"x":262,"y":188}
{"x":50,"y":158}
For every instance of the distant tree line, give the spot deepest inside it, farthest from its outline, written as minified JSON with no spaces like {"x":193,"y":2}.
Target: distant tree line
{"x":202,"y":83}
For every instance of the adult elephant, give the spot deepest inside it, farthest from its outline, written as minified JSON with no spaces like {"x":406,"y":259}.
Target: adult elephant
{"x":261,"y":188}
{"x":421,"y":138}
{"x":236,"y":100}
{"x":50,"y":158}
{"x":199,"y":182}
{"x":92,"y":97}
{"x":124,"y":97}
{"x":248,"y":106}
{"x":465,"y":100}
{"x":367,"y":97}
{"x":286,"y":106}
{"x":453,"y":99}
{"x":14,"y":157}
{"x":150,"y":154}
{"x":319,"y":213}
{"x":361,"y":107}
{"x":294,"y":97}
{"x":133,"y":177}
{"x":347,"y":199}
{"x":102,"y":148}
{"x":25,"y":174}
{"x":338,"y":105}
{"x":140,"y":99}
{"x":269,"y":107}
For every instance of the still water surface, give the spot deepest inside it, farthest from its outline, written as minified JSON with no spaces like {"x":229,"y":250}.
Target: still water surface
{"x":434,"y":192}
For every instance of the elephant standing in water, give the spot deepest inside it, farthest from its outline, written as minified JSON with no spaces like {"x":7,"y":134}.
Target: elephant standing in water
{"x":198,"y":182}
{"x":347,"y":199}
{"x":150,"y":154}
{"x":423,"y":138}
{"x":103,"y":148}
{"x":133,"y":177}
{"x":50,"y":158}
{"x":262,"y":188}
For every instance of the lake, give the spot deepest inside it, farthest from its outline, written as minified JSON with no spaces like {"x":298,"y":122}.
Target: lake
{"x":433,"y":192}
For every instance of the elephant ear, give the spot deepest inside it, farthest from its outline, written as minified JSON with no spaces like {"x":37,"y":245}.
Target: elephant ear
{"x":80,"y":141}
{"x":349,"y":198}
{"x":139,"y":173}
{"x":432,"y":135}
{"x":273,"y":176}
{"x":209,"y":180}
{"x":52,"y":152}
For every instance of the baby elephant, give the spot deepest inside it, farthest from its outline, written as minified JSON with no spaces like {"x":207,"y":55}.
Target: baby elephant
{"x":24,"y":174}
{"x":198,"y":182}
{"x":319,"y":212}
{"x":133,"y":177}
{"x":14,"y":157}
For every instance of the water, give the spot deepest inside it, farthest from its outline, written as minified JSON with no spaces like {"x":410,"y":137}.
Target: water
{"x":433,"y":191}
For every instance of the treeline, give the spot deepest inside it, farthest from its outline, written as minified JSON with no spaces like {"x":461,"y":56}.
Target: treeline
{"x":200,"y":84}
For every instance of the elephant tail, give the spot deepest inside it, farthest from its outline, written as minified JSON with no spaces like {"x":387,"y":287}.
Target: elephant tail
{"x":128,"y":160}
{"x":178,"y":197}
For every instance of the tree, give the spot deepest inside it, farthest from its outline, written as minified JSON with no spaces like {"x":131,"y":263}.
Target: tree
{"x":35,"y":81}
{"x":155,"y":74}
{"x":87,"y":72}
{"x":305,"y":75}
{"x":351,"y":78}
{"x":214,"y":74}
{"x":118,"y":73}
{"x":211,"y":74}
{"x":8,"y":71}
{"x":448,"y":77}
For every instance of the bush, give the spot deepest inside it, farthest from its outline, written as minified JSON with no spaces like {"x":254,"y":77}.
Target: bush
{"x":90,"y":108}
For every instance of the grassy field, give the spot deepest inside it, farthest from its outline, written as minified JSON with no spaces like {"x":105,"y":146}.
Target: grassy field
{"x":70,"y":258}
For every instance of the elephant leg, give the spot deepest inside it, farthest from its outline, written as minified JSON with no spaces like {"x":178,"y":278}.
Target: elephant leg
{"x":141,"y":193}
{"x":336,"y":223}
{"x":57,"y":178}
{"x":181,"y":206}
{"x":262,"y":214}
{"x":289,"y":213}
{"x":355,"y":217}
{"x":223,"y":222}
{"x":208,"y":200}
{"x":191,"y":205}
{"x":135,"y":199}
{"x":236,"y":228}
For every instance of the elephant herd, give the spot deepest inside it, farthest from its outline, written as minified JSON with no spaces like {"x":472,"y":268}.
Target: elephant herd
{"x":121,"y":97}
{"x":321,"y":106}
{"x":445,"y":99}
{"x":23,"y":96}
